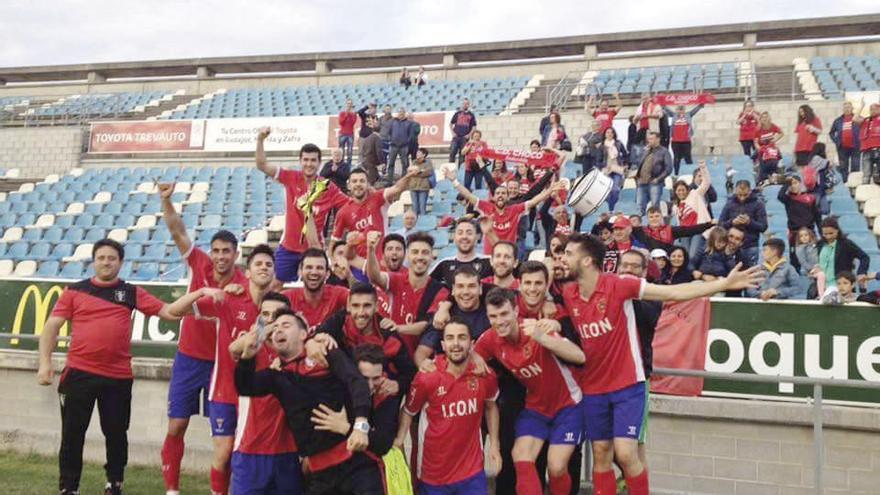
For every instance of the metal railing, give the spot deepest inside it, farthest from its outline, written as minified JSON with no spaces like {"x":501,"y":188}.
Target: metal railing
{"x":816,"y":383}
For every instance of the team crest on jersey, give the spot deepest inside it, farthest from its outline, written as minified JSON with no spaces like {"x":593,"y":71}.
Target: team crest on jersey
{"x":478,"y":267}
{"x":119,"y":295}
{"x":527,"y":351}
{"x":601,"y":305}
{"x":472,"y":383}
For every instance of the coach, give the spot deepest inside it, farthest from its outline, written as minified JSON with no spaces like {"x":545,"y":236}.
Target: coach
{"x":98,"y":365}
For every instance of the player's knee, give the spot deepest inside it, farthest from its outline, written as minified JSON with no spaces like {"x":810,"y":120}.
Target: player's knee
{"x":557,"y":465}
{"x":520,"y":452}
{"x":177,"y":426}
{"x":628,"y":458}
{"x":602,"y":452}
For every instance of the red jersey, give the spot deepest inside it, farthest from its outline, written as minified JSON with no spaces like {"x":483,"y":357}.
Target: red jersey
{"x":294,"y":183}
{"x":769,"y":152}
{"x":686,"y":214}
{"x":605,"y":119}
{"x":606,"y":325}
{"x":765,"y":136}
{"x":449,"y":426}
{"x":491,"y":280}
{"x":197,"y":336}
{"x":681,"y":130}
{"x":405,"y":301}
{"x":231,"y":317}
{"x":100,"y":324}
{"x":748,"y":126}
{"x":371,"y":214}
{"x":333,"y":298}
{"x":871,"y":133}
{"x":550,"y":384}
{"x":347,"y":120}
{"x":524,"y":313}
{"x":504,"y":223}
{"x":846,"y":132}
{"x":805,"y":139}
{"x":262,"y":426}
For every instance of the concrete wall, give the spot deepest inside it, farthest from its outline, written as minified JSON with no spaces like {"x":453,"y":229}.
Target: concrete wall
{"x":39,"y":151}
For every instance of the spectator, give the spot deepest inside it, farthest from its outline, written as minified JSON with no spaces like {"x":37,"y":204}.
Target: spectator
{"x":661,"y":258}
{"x":635,"y":221}
{"x":421,"y":78}
{"x":846,"y":284}
{"x":462,"y":123}
{"x":654,"y":167}
{"x":421,"y":184}
{"x":410,"y":217}
{"x":365,"y":114}
{"x":648,"y":116}
{"x":748,"y":123}
{"x":678,"y":270}
{"x":336,"y":169}
{"x":401,"y":130}
{"x":371,"y":149}
{"x":837,"y":254}
{"x":768,"y":163}
{"x":682,"y":134}
{"x":711,"y":195}
{"x":499,"y":172}
{"x":819,"y":178}
{"x":746,"y":210}
{"x":735,"y":237}
{"x":807,"y":132}
{"x":385,"y":121}
{"x":717,"y":261}
{"x":414,"y":133}
{"x":767,"y":132}
{"x":347,"y":120}
{"x":589,"y":148}
{"x":845,"y":135}
{"x":806,"y":251}
{"x":545,"y":121}
{"x":690,"y":207}
{"x":405,"y":80}
{"x":781,"y":280}
{"x":802,"y":211}
{"x":554,"y":135}
{"x":602,"y":113}
{"x":612,"y":160}
{"x":472,"y":162}
{"x":870,"y":145}
{"x":603,"y":230}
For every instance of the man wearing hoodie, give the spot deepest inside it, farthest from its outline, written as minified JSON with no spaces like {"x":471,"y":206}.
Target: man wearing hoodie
{"x":746,"y":211}
{"x":401,"y":129}
{"x":781,"y":280}
{"x":654,"y":167}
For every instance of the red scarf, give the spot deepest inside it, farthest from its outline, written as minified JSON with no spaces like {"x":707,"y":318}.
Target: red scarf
{"x":683,"y":99}
{"x":540,"y":159}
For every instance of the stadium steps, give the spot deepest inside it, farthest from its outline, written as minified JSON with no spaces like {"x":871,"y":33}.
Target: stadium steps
{"x":776,"y":82}
{"x":9,"y":185}
{"x":537,"y":102}
{"x":150,"y":113}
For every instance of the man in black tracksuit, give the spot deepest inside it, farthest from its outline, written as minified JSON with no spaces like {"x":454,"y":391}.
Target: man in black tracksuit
{"x":337,"y":465}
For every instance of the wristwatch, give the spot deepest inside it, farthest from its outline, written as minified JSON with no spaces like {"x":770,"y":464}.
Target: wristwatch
{"x":362,"y":426}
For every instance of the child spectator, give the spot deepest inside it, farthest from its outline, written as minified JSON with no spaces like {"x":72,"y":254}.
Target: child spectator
{"x":806,"y":251}
{"x":781,"y":280}
{"x":716,"y":263}
{"x":846,"y":284}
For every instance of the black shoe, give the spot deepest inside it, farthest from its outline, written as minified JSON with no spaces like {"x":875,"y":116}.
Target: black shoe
{"x":69,"y":492}
{"x":113,"y":489}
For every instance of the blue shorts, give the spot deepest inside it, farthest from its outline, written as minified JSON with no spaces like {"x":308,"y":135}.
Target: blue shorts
{"x":566,"y":428}
{"x":617,"y":414}
{"x":255,"y":474}
{"x":287,"y":264}
{"x":475,"y":485}
{"x":643,"y":435}
{"x":190,"y":378}
{"x":359,"y":275}
{"x":224,"y":418}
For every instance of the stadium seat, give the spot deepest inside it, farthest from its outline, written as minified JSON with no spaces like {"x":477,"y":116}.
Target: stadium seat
{"x":12,"y":234}
{"x":6,"y":267}
{"x":25,"y":268}
{"x":145,"y":222}
{"x":276,"y":224}
{"x":48,"y":269}
{"x":61,"y":251}
{"x":73,"y":270}
{"x":83,"y":252}
{"x":864,"y":192}
{"x":118,"y":235}
{"x":45,"y":220}
{"x":146,"y":271}
{"x":255,"y":238}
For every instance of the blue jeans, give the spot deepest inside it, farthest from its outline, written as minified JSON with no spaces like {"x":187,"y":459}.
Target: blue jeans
{"x":870,"y":164}
{"x":394,"y":152}
{"x":648,"y":193}
{"x":347,"y":145}
{"x":475,"y":177}
{"x":750,"y":255}
{"x":614,"y":195}
{"x":693,"y":244}
{"x":420,"y":202}
{"x":458,"y":143}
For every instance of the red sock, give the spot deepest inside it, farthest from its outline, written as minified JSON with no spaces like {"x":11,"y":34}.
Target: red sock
{"x":560,"y":485}
{"x":527,"y":482}
{"x":638,"y":485}
{"x":172,"y":454}
{"x":604,"y":483}
{"x":219,"y":482}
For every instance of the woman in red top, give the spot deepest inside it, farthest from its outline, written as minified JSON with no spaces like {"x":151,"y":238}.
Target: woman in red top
{"x":472,"y":161}
{"x":807,"y":130}
{"x":748,"y":122}
{"x":870,"y":144}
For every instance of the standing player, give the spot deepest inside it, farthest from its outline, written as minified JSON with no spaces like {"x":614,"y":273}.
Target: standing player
{"x":613,"y":379}
{"x":464,"y":236}
{"x":191,"y":371}
{"x":552,"y":410}
{"x":316,"y":300}
{"x":532,"y":302}
{"x":452,"y":401}
{"x":98,"y":367}
{"x":503,"y":261}
{"x":307,"y":197}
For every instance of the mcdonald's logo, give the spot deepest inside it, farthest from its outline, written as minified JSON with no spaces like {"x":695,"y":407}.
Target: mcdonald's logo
{"x":42,"y":306}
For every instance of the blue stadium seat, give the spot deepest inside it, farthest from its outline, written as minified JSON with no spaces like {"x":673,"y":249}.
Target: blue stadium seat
{"x":95,"y":235}
{"x":48,"y":269}
{"x":38,"y":251}
{"x":146,"y":271}
{"x":17,"y":250}
{"x":73,"y":270}
{"x":61,"y":251}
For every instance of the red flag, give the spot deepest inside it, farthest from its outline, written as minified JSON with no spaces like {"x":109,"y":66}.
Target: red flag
{"x":683,"y":99}
{"x":680,"y":342}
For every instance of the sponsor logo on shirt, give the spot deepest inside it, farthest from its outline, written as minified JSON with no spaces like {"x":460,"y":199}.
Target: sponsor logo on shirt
{"x":459,"y":408}
{"x":364,"y":223}
{"x":595,"y":329}
{"x":529,"y":371}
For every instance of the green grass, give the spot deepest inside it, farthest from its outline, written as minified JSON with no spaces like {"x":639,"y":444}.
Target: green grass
{"x":32,"y":474}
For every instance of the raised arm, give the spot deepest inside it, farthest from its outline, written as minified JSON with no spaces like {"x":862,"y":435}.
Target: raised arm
{"x":376,"y":276}
{"x":183,"y":306}
{"x":173,"y":221}
{"x":468,"y":196}
{"x":262,"y":164}
{"x":543,"y":195}
{"x":737,"y":279}
{"x":392,"y":193}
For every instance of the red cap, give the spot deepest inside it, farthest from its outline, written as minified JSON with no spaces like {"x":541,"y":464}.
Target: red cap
{"x":621,"y":222}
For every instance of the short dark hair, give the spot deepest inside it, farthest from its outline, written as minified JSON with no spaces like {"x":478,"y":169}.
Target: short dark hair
{"x":847,"y":275}
{"x":455,"y":320}
{"x":335,"y":244}
{"x":316,"y":253}
{"x":260,"y":249}
{"x":420,"y":237}
{"x":534,"y":141}
{"x":462,"y":220}
{"x":424,"y":151}
{"x":362,"y":288}
{"x":465,"y":270}
{"x":225,"y":236}
{"x":358,"y":170}
{"x":508,"y":244}
{"x":275,"y":296}
{"x":743,"y":182}
{"x":590,"y":245}
{"x":831,"y":222}
{"x":498,"y":296}
{"x":654,"y":133}
{"x":651,"y":209}
{"x":370,"y":353}
{"x":290,"y":312}
{"x":109,"y":243}
{"x":393,"y":238}
{"x":776,"y":244}
{"x":533,"y":266}
{"x":310,"y":148}
{"x":636,"y":252}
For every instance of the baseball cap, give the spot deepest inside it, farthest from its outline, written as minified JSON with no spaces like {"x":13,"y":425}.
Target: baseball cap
{"x":659,"y":253}
{"x":621,"y":222}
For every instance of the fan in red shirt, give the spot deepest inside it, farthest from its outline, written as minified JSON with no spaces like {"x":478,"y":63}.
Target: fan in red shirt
{"x":316,"y":300}
{"x":870,"y":144}
{"x":767,"y":132}
{"x":748,"y":122}
{"x":602,"y":113}
{"x":613,"y":378}
{"x":98,"y":366}
{"x":503,"y":262}
{"x":807,"y":133}
{"x":534,"y":355}
{"x":347,"y":121}
{"x":307,"y":197}
{"x":452,"y":401}
{"x":413,"y":294}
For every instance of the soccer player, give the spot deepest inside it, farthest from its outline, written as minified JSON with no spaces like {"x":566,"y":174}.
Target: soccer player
{"x":532,"y":302}
{"x":307,"y":197}
{"x":232,"y":315}
{"x":264,"y":460}
{"x":451,"y":402}
{"x":194,"y":360}
{"x":503,"y":262}
{"x":464,"y":236}
{"x":613,"y":378}
{"x":337,"y":464}
{"x":98,"y":367}
{"x":316,"y":300}
{"x":413,"y":294}
{"x":552,"y":413}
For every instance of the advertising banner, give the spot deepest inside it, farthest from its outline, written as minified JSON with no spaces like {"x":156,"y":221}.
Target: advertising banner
{"x":288,"y":133}
{"x":155,"y":136}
